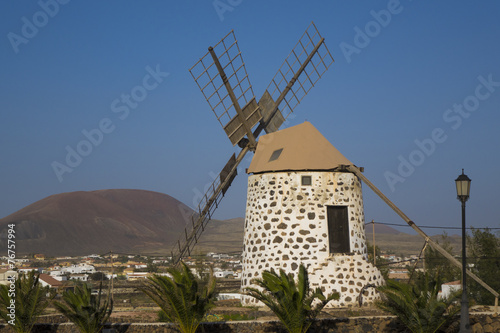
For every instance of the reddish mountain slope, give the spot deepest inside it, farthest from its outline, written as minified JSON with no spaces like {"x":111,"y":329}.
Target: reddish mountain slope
{"x":79,"y":223}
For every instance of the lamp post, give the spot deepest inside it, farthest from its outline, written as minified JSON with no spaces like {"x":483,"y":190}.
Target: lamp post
{"x":463,"y":191}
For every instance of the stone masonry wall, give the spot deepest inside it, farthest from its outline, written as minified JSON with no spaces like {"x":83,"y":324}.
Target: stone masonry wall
{"x":347,"y":275}
{"x":487,"y":323}
{"x":286,"y":225}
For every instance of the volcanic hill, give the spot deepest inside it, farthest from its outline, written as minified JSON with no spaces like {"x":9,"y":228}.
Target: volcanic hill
{"x":79,"y":223}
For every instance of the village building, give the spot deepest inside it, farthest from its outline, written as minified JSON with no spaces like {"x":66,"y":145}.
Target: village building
{"x":94,"y":256}
{"x":79,"y":269}
{"x":48,"y":281}
{"x":219,"y":273}
{"x":136,"y":264}
{"x":447,"y":289}
{"x":134,"y":276}
{"x":26,"y":270}
{"x":129,"y":270}
{"x":5,"y":273}
{"x":79,"y":277}
{"x":398,"y":274}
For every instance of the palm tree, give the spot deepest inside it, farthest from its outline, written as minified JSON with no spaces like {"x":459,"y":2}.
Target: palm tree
{"x":88,"y":312}
{"x":418,"y":306}
{"x":27,"y":299}
{"x":291,"y":302}
{"x":183,"y":298}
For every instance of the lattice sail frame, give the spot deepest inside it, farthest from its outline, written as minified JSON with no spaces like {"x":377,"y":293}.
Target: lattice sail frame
{"x":314,"y":70}
{"x":208,"y":79}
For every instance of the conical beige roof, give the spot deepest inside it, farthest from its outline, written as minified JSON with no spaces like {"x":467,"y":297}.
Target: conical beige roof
{"x":301,"y":147}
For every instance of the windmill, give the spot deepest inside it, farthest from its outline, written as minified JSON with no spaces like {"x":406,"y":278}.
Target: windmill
{"x":222,"y":78}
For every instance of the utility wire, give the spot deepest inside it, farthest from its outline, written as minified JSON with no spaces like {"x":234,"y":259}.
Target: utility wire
{"x":395,"y":262}
{"x":428,"y":226}
{"x":443,"y":258}
{"x":403,"y":261}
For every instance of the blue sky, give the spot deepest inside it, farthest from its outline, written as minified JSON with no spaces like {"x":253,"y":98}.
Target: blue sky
{"x":413,"y":96}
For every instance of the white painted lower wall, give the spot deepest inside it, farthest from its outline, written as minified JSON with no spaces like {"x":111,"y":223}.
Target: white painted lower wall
{"x":286,"y":225}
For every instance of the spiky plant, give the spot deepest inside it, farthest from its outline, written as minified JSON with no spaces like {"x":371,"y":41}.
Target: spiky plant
{"x":418,"y":306}
{"x":294,"y":303}
{"x":88,"y":312}
{"x":183,"y":298}
{"x":27,"y":299}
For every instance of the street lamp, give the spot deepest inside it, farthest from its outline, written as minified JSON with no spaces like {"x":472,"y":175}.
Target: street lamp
{"x":463,"y":191}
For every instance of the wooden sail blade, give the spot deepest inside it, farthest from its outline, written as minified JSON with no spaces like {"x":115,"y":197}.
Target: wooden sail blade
{"x":207,"y":206}
{"x":304,"y":66}
{"x":222,"y":78}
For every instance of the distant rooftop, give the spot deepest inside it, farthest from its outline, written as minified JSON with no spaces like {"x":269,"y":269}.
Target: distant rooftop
{"x":50,"y":280}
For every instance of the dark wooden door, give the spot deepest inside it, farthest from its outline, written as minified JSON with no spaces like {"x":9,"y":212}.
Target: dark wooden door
{"x":338,"y":229}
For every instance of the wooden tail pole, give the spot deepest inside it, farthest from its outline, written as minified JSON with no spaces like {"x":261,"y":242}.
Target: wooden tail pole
{"x":112,"y":275}
{"x":412,"y":224}
{"x":423,"y":254}
{"x":374,"y":251}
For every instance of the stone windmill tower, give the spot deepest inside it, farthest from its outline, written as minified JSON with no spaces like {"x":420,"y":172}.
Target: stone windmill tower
{"x":304,"y":207}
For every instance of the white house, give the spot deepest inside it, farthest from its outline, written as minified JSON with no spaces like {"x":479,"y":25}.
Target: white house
{"x":223,"y":274}
{"x":79,"y":269}
{"x":137,"y":276}
{"x":223,"y":296}
{"x":55,"y":272}
{"x":79,"y":277}
{"x":94,"y":256}
{"x":27,"y":270}
{"x":47,"y":280}
{"x":448,"y":288}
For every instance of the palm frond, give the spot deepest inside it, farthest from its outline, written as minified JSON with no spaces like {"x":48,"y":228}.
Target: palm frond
{"x":290,"y":301}
{"x":29,"y":298}
{"x":418,"y":306}
{"x":88,"y":312}
{"x":183,"y":298}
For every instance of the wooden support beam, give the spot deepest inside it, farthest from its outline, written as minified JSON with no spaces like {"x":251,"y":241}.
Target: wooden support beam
{"x":412,"y":224}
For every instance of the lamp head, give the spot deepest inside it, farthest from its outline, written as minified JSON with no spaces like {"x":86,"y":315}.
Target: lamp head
{"x":463,"y":187}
